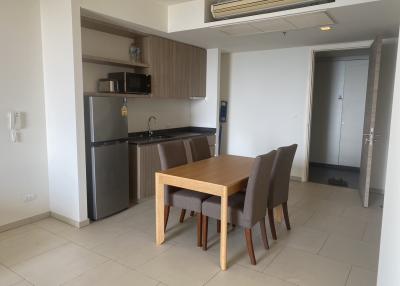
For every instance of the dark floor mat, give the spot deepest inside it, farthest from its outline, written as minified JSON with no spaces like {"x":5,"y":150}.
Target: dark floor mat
{"x":337,"y":182}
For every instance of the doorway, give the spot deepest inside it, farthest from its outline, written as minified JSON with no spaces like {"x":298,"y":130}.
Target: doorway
{"x":338,"y":107}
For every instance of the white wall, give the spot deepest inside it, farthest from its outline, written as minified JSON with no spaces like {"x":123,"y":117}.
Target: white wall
{"x":62,"y":65}
{"x":148,"y":13}
{"x":389,"y":266}
{"x":186,"y":15}
{"x":204,"y":112}
{"x":267,"y":101}
{"x":383,"y":113}
{"x":23,"y":166}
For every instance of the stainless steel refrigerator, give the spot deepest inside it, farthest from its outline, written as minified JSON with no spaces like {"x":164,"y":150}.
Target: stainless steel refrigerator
{"x":107,"y":166}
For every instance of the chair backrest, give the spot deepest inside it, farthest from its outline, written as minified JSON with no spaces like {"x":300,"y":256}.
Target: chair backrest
{"x":200,"y":148}
{"x":279,"y":190}
{"x":172,"y":154}
{"x":255,"y":203}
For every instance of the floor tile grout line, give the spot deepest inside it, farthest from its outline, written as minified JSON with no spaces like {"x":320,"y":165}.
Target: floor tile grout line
{"x":348,"y":275}
{"x":365,"y":231}
{"x":86,"y":271}
{"x":326,"y":240}
{"x":311,"y":216}
{"x":212,"y":277}
{"x":273,"y":259}
{"x":133,"y":268}
{"x":346,"y":263}
{"x":273,"y":275}
{"x":40,"y":254}
{"x":16,"y":273}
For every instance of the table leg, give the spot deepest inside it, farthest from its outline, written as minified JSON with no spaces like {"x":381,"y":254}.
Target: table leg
{"x":224,"y":230}
{"x":160,"y":236}
{"x":278,"y":214}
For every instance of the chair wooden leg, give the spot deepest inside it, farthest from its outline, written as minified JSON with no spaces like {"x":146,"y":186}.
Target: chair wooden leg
{"x":204,"y":232}
{"x":192,"y":213}
{"x":182,"y":217}
{"x":286,"y":215}
{"x":166,"y":215}
{"x":264,"y":233}
{"x":249,"y":242}
{"x":218,"y":226}
{"x":272,"y":223}
{"x":199,"y":220}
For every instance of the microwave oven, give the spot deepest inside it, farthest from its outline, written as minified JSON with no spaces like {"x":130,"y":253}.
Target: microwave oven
{"x":132,"y":82}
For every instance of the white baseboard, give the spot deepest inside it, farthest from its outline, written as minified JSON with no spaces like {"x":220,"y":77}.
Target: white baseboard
{"x":377,"y":191}
{"x":24,"y":221}
{"x":296,"y":179}
{"x":39,"y":217}
{"x":69,"y":221}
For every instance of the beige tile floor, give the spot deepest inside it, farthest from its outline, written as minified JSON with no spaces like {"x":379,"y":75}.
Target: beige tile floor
{"x":333,"y":241}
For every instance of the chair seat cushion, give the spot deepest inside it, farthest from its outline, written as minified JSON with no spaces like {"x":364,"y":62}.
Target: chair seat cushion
{"x":212,"y":208}
{"x":187,"y":199}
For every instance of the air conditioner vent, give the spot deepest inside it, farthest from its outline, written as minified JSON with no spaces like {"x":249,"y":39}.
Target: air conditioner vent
{"x":226,"y":9}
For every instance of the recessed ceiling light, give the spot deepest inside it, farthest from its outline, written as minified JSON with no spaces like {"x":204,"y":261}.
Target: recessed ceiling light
{"x":325,"y":28}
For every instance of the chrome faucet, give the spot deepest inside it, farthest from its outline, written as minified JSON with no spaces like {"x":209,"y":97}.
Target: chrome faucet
{"x":149,"y":131}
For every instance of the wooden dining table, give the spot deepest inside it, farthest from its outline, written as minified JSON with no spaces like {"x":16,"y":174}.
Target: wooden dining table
{"x":219,"y":176}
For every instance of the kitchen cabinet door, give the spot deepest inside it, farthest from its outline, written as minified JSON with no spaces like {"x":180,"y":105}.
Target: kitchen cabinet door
{"x":198,"y":71}
{"x":160,"y":56}
{"x":148,"y":163}
{"x":182,"y":68}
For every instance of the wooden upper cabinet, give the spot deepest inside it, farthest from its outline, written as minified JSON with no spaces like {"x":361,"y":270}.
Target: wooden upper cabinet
{"x":198,"y":72}
{"x":182,"y":57}
{"x":159,"y":53}
{"x":178,"y":70}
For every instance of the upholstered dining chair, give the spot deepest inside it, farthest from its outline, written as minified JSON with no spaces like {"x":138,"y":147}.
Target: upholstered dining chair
{"x":245,"y":209}
{"x":173,"y":154}
{"x":279,"y":189}
{"x":200,"y":148}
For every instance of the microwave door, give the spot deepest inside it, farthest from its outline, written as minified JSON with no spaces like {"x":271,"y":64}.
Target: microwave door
{"x":137,"y":83}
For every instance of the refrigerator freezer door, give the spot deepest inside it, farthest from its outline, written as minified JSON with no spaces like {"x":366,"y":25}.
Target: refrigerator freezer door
{"x":106,"y":119}
{"x":110,"y":180}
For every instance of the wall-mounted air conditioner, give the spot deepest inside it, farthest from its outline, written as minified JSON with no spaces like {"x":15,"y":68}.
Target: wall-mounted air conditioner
{"x":225,"y":9}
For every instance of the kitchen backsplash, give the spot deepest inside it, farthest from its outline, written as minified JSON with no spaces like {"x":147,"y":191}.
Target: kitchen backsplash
{"x":170,"y":113}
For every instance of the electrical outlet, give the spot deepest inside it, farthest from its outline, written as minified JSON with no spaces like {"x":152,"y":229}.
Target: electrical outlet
{"x":29,"y":198}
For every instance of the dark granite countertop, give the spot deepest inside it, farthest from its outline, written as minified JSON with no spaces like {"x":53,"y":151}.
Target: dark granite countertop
{"x":142,"y":138}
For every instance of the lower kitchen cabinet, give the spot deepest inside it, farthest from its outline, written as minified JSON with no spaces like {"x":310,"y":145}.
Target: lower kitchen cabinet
{"x":145,"y":162}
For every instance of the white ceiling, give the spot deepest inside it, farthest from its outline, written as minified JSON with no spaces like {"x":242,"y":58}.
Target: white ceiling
{"x":171,"y":2}
{"x":353,"y":23}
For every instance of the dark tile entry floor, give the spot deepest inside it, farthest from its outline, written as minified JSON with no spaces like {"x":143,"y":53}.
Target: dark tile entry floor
{"x":333,"y":176}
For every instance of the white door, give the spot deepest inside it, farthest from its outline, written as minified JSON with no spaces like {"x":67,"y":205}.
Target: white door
{"x":355,"y":89}
{"x":369,"y":120}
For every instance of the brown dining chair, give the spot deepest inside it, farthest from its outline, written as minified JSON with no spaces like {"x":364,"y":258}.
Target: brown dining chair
{"x":200,"y":151}
{"x":279,"y":189}
{"x":245,"y":209}
{"x":200,"y":148}
{"x":173,"y":154}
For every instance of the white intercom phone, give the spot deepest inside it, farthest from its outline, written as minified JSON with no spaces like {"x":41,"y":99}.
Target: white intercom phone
{"x":14,"y":124}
